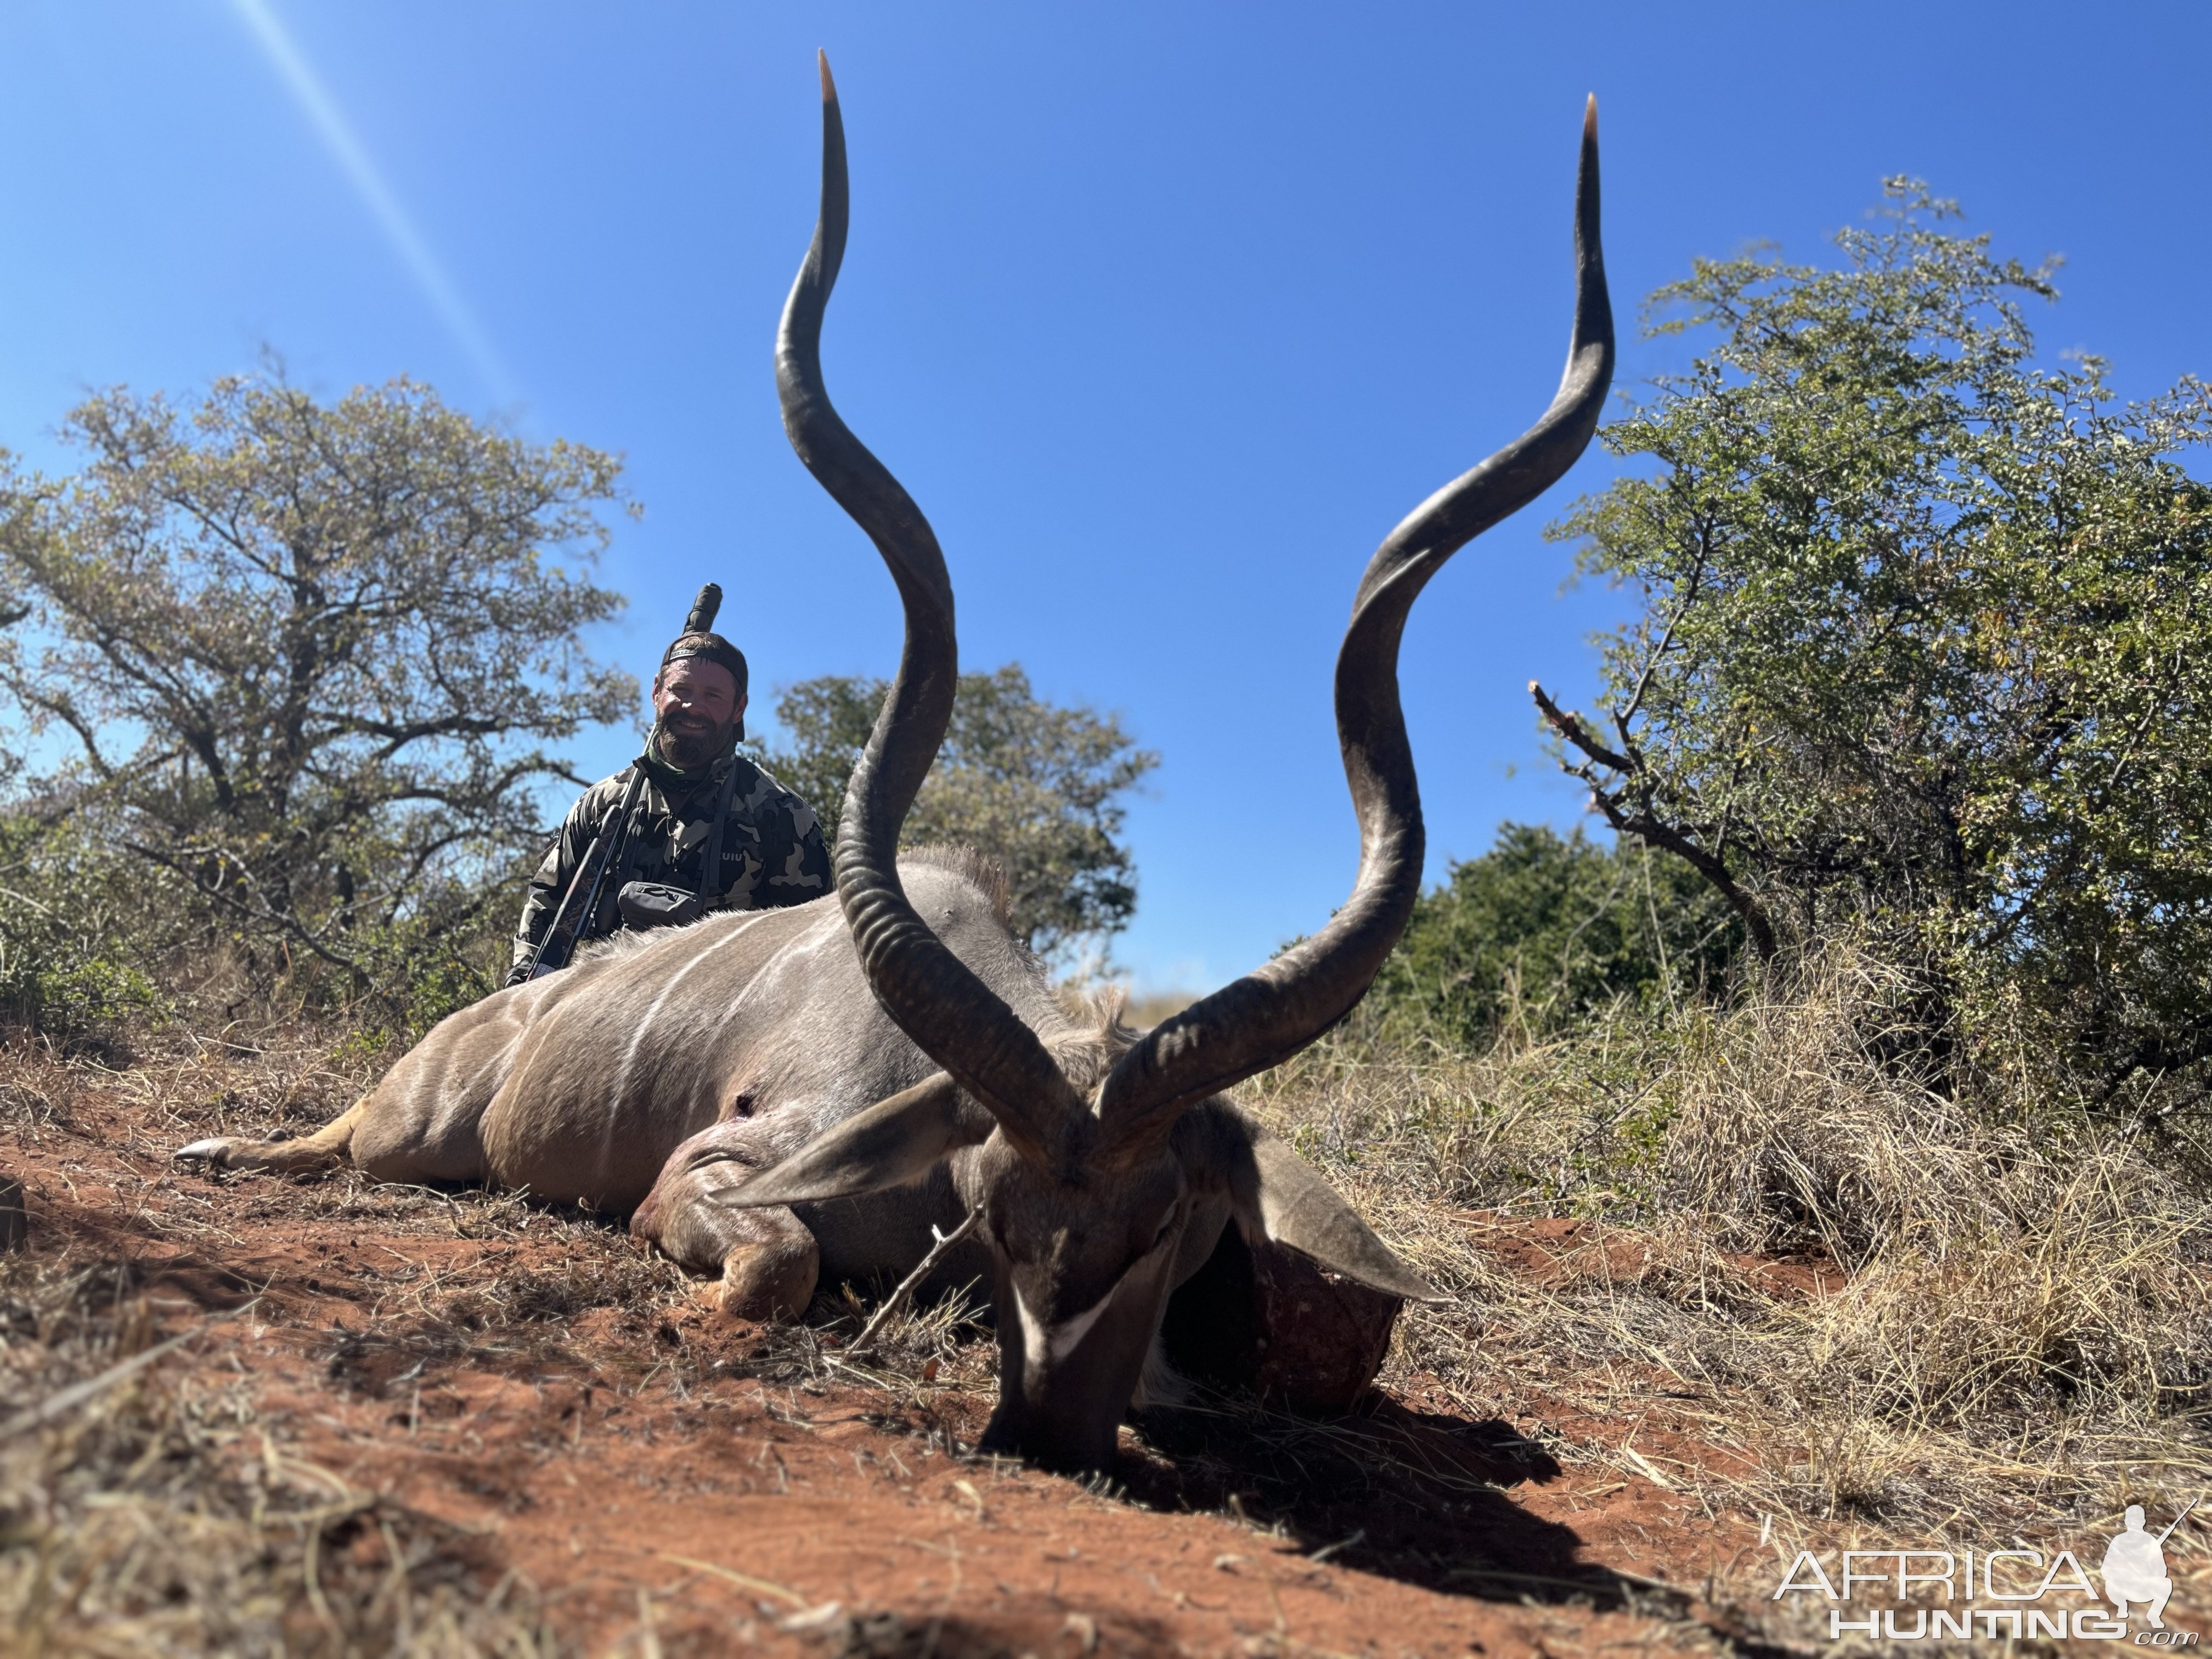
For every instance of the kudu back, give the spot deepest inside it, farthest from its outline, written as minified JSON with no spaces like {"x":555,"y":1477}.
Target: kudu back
{"x":801,"y":1094}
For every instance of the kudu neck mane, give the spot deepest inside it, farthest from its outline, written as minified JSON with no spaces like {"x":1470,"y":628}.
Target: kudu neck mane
{"x":1094,"y":1035}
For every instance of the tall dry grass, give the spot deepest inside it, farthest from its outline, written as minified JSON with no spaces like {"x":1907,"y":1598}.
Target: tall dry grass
{"x":1999,"y":1309}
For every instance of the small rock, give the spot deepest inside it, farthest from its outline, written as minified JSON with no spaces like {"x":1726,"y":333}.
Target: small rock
{"x":813,"y":1619}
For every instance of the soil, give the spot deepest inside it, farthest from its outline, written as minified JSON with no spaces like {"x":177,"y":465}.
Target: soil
{"x":663,"y":1479}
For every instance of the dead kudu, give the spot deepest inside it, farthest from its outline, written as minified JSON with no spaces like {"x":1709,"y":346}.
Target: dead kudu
{"x":793,"y":1095}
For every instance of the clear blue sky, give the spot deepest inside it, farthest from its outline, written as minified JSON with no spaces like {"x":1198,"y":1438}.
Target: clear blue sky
{"x":1164,"y":313}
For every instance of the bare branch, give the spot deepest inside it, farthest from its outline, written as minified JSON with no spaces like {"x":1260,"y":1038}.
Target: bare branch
{"x":1573,"y":731}
{"x":1646,"y":825}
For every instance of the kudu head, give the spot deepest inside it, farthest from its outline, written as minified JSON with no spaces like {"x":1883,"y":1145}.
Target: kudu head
{"x":1086,"y":1159}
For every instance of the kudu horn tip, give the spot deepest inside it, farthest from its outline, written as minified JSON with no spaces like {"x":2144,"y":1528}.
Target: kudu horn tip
{"x":829,"y":85}
{"x":1589,"y":119}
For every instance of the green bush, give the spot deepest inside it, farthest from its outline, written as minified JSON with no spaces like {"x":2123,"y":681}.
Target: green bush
{"x":1923,"y":627}
{"x":93,"y":939}
{"x":73,"y":931}
{"x":1544,"y":930}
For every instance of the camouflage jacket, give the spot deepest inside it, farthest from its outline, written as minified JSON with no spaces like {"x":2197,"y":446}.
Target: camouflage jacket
{"x":773,"y":854}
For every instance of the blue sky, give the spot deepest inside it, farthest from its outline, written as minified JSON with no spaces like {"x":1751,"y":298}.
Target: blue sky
{"x":1164,"y":313}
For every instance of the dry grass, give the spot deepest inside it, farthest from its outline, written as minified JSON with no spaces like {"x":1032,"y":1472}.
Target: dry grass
{"x":1150,"y":1010}
{"x":2012,"y":1327}
{"x":163,"y":1508}
{"x":171,"y":1510}
{"x":2009,"y":1335}
{"x":161,"y":1514}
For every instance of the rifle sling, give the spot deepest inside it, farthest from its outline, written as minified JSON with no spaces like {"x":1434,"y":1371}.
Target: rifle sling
{"x":710,"y":861}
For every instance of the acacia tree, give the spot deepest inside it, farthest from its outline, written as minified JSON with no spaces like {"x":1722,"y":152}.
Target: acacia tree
{"x":302,"y":656}
{"x":1924,"y":634}
{"x":1036,"y":786}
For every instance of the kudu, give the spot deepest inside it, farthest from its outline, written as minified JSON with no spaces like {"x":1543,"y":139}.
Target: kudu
{"x":807,"y":1092}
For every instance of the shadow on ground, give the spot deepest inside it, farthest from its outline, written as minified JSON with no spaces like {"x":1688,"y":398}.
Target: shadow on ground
{"x":1413,"y":1496}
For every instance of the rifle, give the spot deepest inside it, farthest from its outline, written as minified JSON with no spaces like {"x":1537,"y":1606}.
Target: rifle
{"x":2176,"y":1521}
{"x":581,"y":900}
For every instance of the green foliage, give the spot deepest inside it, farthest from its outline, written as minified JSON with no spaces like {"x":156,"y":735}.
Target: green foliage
{"x":1923,"y":628}
{"x":94,"y":940}
{"x":296,"y":659}
{"x":72,"y":932}
{"x":1035,"y":785}
{"x":1542,"y":932}
{"x":449,"y":947}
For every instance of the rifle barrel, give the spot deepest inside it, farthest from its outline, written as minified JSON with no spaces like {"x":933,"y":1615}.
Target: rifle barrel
{"x":2177,"y":1521}
{"x":570,"y":920}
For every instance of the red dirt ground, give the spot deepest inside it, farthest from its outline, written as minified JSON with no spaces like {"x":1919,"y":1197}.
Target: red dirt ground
{"x":633,"y":1466}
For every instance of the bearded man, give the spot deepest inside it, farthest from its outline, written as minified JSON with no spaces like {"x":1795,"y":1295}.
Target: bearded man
{"x":688,"y":827}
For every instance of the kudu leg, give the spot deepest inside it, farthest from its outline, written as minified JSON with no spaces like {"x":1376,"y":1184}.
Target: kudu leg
{"x":767,"y":1257}
{"x":420,"y":1123}
{"x":312,"y":1154}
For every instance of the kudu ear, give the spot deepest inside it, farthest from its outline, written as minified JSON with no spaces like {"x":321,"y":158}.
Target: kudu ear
{"x":895,"y":1140}
{"x":1281,"y":1196}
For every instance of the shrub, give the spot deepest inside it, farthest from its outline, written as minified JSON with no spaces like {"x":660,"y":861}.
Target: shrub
{"x":79,"y":931}
{"x":1922,"y":629}
{"x":1544,"y":930}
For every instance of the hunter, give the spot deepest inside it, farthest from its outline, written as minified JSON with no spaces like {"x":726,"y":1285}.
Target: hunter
{"x":689,"y":826}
